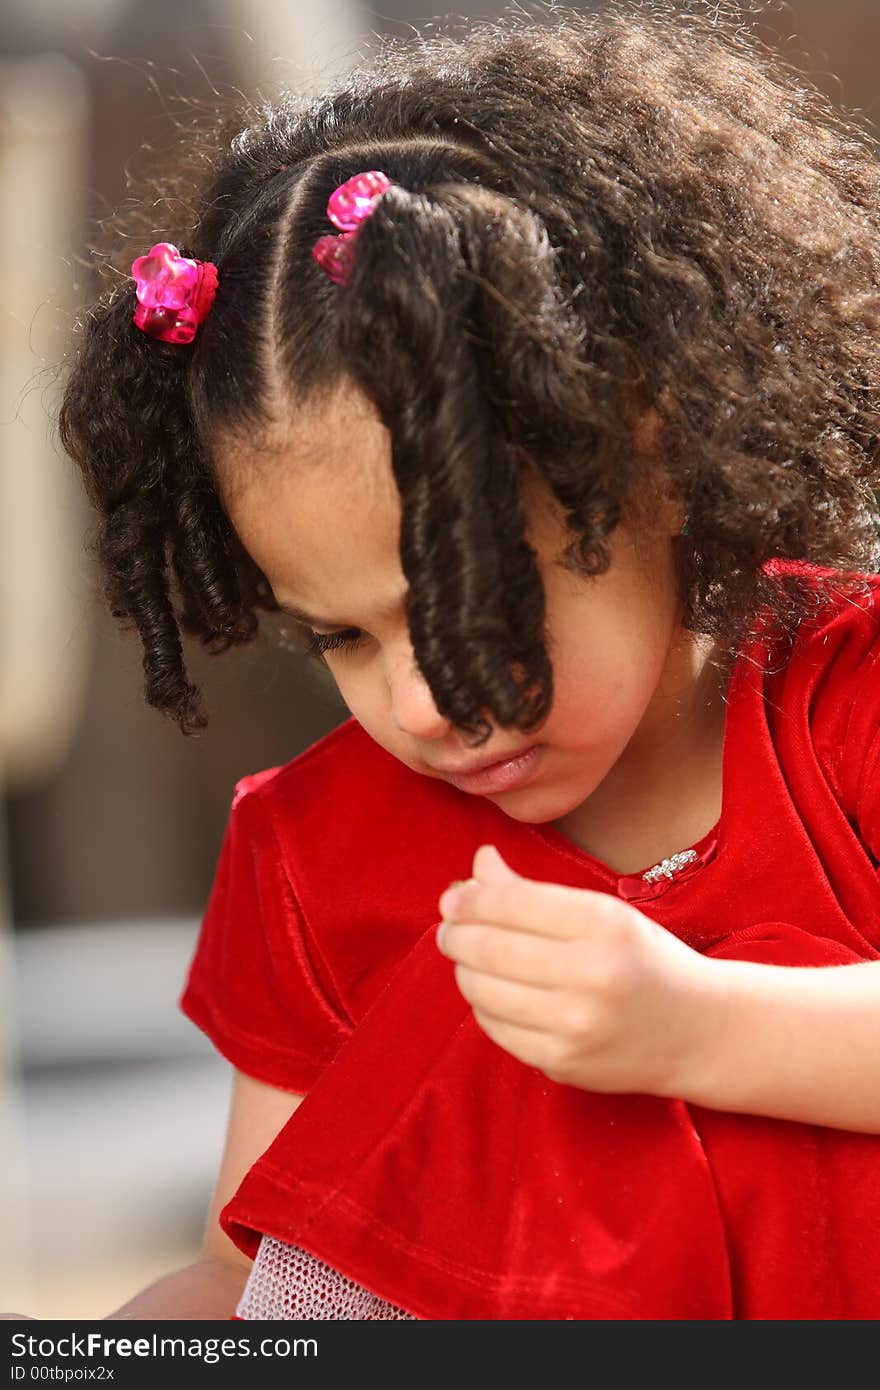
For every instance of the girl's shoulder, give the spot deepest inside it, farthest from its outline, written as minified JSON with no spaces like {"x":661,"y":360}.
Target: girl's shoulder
{"x":314,"y":761}
{"x":346,"y":774}
{"x":344,"y":805}
{"x":831,"y":681}
{"x":329,"y":872}
{"x":841,"y":631}
{"x":843,"y":635}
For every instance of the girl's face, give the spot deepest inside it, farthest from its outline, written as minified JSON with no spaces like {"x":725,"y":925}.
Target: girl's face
{"x":633,"y":693}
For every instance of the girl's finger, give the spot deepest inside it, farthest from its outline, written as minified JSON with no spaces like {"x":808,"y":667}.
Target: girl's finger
{"x":528,"y":905}
{"x":506,"y":1001}
{"x":507,"y":955}
{"x":528,"y":1045}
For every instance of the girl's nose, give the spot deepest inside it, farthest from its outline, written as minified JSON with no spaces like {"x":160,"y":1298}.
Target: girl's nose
{"x":412,"y":704}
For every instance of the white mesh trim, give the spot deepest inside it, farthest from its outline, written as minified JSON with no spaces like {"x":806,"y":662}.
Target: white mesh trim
{"x":288,"y":1283}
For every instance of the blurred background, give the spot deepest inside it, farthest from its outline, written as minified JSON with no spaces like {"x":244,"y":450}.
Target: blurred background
{"x":113,"y":1106}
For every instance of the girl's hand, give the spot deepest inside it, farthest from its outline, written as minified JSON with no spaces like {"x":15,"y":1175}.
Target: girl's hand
{"x":577,"y":983}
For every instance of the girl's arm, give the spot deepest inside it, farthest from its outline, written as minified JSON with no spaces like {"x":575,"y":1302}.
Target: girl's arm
{"x":794,"y":1042}
{"x":211,"y":1287}
{"x":208,"y":1289}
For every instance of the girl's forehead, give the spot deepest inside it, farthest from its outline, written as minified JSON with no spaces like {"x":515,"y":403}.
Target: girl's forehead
{"x":320,"y":504}
{"x":335,"y":441}
{"x":332,"y":423}
{"x":320,"y":509}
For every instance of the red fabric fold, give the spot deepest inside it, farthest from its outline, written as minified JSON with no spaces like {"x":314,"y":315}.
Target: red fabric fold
{"x":514,"y":1197}
{"x":472,"y":1187}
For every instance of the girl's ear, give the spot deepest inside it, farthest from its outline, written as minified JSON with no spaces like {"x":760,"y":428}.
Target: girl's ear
{"x":652,"y":504}
{"x":489,"y":865}
{"x":646,"y":426}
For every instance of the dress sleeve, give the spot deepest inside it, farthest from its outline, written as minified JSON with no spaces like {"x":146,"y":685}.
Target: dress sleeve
{"x":257,"y":985}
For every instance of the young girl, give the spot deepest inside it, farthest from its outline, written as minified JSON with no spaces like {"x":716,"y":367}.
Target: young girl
{"x":534,"y":374}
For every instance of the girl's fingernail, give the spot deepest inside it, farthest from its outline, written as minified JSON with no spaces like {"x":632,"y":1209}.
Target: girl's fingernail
{"x":452,"y":897}
{"x":449,"y":902}
{"x":440,"y":933}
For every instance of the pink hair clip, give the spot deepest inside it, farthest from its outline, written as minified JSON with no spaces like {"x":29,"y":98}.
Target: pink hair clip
{"x":348,"y":206}
{"x":174,"y":293}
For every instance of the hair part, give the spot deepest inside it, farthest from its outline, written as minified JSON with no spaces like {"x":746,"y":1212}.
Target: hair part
{"x":593,"y":216}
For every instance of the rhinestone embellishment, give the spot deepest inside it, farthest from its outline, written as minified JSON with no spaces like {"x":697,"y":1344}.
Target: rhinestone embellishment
{"x":667,"y":867}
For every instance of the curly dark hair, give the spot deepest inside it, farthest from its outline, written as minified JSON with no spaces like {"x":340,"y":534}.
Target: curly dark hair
{"x":644,"y":206}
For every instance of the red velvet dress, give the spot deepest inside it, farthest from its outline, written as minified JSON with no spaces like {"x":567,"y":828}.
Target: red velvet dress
{"x":446,"y":1176}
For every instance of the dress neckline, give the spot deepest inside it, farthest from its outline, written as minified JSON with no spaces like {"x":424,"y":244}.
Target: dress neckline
{"x":689,"y":859}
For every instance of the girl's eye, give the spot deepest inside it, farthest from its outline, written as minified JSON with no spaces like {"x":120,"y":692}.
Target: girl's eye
{"x":321,"y":642}
{"x":297,"y":636}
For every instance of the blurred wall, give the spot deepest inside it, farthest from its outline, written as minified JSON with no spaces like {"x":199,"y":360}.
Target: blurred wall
{"x":129,"y":822}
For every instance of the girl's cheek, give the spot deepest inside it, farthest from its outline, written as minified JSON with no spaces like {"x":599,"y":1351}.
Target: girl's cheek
{"x":360,"y":699}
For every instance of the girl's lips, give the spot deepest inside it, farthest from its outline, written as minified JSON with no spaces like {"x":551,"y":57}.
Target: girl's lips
{"x":499,"y":777}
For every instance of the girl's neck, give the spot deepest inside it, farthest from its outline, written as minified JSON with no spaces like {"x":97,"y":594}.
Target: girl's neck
{"x":671,"y":798}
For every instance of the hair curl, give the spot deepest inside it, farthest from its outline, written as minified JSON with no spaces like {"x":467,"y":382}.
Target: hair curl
{"x":645,"y":204}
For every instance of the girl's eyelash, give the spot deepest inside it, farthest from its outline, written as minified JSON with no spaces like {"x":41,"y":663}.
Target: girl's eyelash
{"x":321,"y":642}
{"x":298,"y":636}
